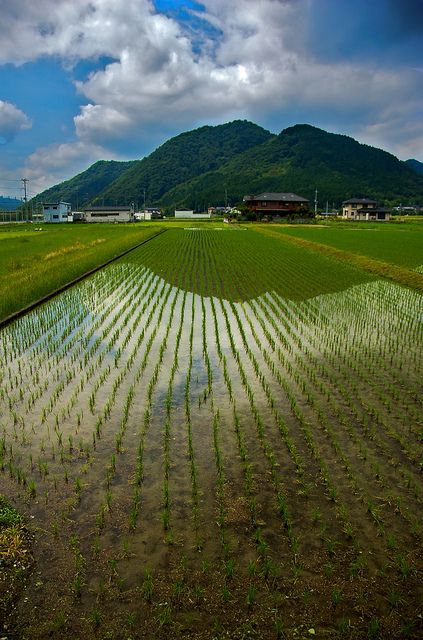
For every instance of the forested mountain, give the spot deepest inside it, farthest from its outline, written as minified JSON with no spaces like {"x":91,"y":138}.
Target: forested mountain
{"x":181,"y":158}
{"x":415,"y":164}
{"x":210,"y":165}
{"x":301,"y":159}
{"x":84,"y":187}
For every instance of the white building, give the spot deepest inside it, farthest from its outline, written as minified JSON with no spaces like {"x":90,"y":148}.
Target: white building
{"x":109,"y":214}
{"x":56,"y":211}
{"x":189,"y":213}
{"x":149,"y":213}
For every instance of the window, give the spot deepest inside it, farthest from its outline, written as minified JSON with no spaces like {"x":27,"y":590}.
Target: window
{"x":98,"y":214}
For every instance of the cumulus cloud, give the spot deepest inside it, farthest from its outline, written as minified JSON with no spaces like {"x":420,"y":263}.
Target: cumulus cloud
{"x":253,"y":59}
{"x":12,"y":121}
{"x":56,"y":163}
{"x":259,"y":66}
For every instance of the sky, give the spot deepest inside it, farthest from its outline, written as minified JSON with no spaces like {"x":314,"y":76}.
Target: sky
{"x":88,"y":80}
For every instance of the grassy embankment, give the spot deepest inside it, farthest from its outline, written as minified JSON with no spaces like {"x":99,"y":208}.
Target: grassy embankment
{"x":33,"y":263}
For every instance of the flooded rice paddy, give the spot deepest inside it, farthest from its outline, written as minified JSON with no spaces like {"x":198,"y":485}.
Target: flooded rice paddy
{"x":197,"y":467}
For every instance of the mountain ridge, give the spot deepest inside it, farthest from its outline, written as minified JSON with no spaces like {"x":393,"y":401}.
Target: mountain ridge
{"x":214,"y":164}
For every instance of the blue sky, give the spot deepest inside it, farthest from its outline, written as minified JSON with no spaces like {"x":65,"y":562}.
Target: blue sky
{"x":83,"y":80}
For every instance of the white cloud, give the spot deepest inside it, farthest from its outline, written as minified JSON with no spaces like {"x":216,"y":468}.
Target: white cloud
{"x":253,"y":60}
{"x":259,"y":66}
{"x":12,"y":121}
{"x":56,"y":163}
{"x":403,"y":129}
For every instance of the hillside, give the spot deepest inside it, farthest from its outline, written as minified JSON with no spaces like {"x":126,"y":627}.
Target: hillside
{"x":85,"y":186}
{"x":182,"y":158}
{"x":207,"y":165}
{"x":415,"y":165}
{"x":301,"y":159}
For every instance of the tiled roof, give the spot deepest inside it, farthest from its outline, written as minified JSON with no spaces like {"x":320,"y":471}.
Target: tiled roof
{"x":276,"y":197}
{"x":359,"y":201}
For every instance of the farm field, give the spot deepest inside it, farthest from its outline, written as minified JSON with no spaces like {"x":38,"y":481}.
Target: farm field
{"x":42,"y":258}
{"x":218,"y":436}
{"x":400,"y":244}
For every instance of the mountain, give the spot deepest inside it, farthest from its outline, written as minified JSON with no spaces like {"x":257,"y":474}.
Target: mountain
{"x":86,"y":185}
{"x":301,"y":159}
{"x":415,"y":165}
{"x":182,"y":158}
{"x":9,"y":204}
{"x":210,"y":165}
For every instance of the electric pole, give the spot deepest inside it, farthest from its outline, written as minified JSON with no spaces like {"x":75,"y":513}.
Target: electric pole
{"x":24,"y":181}
{"x":315,"y":202}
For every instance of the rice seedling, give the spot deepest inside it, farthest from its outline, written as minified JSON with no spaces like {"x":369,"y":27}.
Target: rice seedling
{"x":253,"y":417}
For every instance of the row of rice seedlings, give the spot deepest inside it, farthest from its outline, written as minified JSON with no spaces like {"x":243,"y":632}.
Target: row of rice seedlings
{"x":371,"y":360}
{"x":348,"y":467}
{"x":144,"y":427}
{"x":148,"y":293}
{"x":268,"y":569}
{"x":374,"y":348}
{"x":103,"y":376}
{"x":337,"y":382}
{"x":69,"y":375}
{"x":60,"y":434}
{"x":106,"y":412}
{"x":220,"y":486}
{"x":367,"y":414}
{"x":159,"y":299}
{"x":328,"y":484}
{"x":288,"y":386}
{"x":205,"y":349}
{"x":166,"y":513}
{"x":276,"y":480}
{"x":188,"y":423}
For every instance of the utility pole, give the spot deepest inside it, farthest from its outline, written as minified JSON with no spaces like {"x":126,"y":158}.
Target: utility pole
{"x":315,"y":202}
{"x":24,"y":181}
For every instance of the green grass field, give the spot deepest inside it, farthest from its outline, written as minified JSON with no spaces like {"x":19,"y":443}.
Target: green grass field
{"x":35,"y":262}
{"x":238,"y":263}
{"x":400,"y":244}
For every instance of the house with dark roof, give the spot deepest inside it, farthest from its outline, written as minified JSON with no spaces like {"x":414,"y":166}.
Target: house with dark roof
{"x":364,"y":209}
{"x":283,"y":204}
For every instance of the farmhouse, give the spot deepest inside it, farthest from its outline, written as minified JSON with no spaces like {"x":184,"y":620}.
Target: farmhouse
{"x":189,"y":213}
{"x":56,"y":211}
{"x":109,"y":214}
{"x":364,"y":209}
{"x":277,"y":203}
